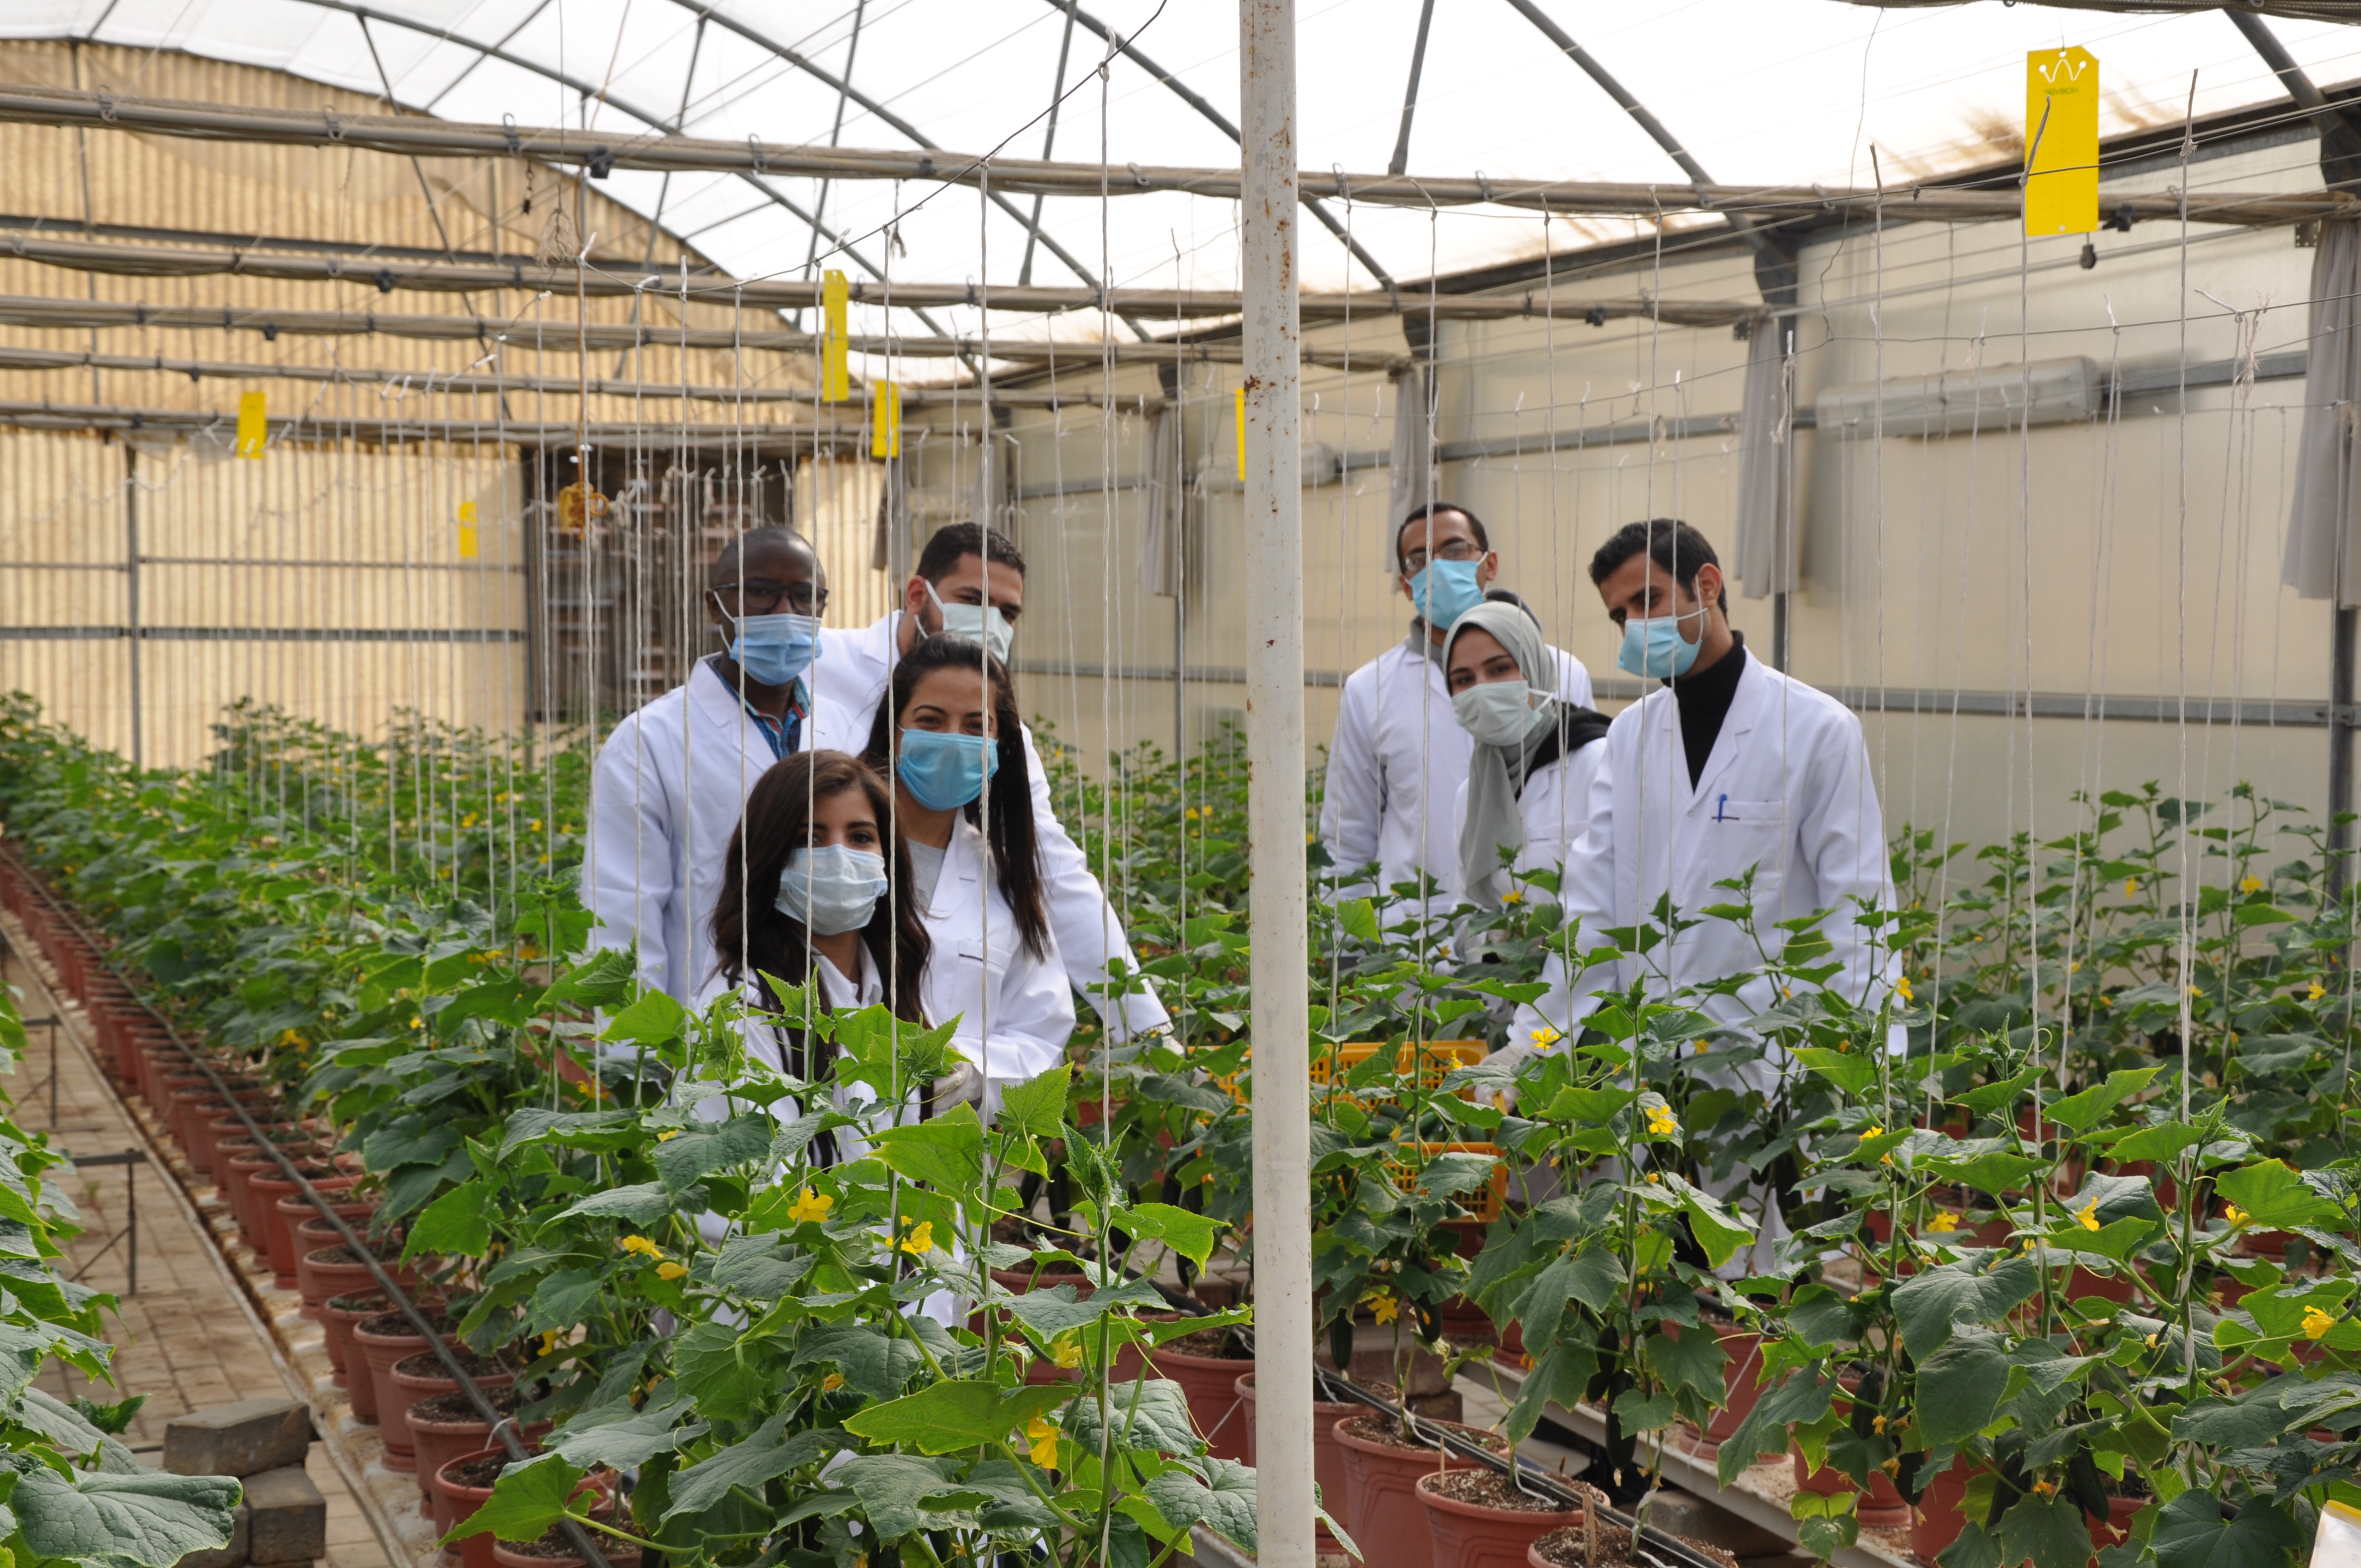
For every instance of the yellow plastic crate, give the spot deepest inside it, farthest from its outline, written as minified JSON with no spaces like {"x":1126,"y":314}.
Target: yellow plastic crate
{"x":1485,"y":1204}
{"x":1436,"y":1061}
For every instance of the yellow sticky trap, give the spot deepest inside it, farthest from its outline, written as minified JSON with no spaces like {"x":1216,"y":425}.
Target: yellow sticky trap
{"x":253,"y":424}
{"x":2061,"y":141}
{"x":1240,"y":394}
{"x":835,"y":378}
{"x":468,"y":546}
{"x":577,"y":506}
{"x":885,"y":420}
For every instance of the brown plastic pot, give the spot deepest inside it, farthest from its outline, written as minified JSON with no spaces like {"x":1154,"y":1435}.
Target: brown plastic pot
{"x":1327,"y":1457}
{"x":460,"y":1501}
{"x":1938,"y":1520}
{"x":618,"y":1555}
{"x":1211,"y":1386}
{"x":444,"y":1426}
{"x":339,"y":1315}
{"x":1470,"y":1535}
{"x":279,"y":1227}
{"x":333,"y":1270}
{"x":1383,"y":1512}
{"x":1741,"y":1364}
{"x":420,"y":1376}
{"x":2118,"y":1527}
{"x":378,"y":1344}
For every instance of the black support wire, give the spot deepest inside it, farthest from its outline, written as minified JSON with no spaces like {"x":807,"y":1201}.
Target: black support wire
{"x":503,"y":1427}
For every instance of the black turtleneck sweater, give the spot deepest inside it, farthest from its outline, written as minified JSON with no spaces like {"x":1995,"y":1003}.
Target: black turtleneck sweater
{"x":1704,"y":698}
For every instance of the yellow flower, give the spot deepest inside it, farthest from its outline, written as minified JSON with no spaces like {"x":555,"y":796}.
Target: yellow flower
{"x":1943,"y":1222}
{"x":2089,"y":1216}
{"x":1382,"y":1306}
{"x":831,"y":1383}
{"x":2131,"y":886}
{"x":417,"y":1022}
{"x":548,"y":1341}
{"x":2151,"y":1342}
{"x":1877,"y":1425}
{"x":1902,"y":985}
{"x":2316,"y":993}
{"x":667,"y":1135}
{"x":1545,"y":1036}
{"x":2316,"y":1322}
{"x":536,"y":825}
{"x":1653,"y":1177}
{"x":2045,"y":1488}
{"x":670,"y":1271}
{"x":290,"y":1038}
{"x":1661,"y":1122}
{"x":2252,"y":884}
{"x":1044,"y":1438}
{"x":811,"y":1206}
{"x":1874,"y":1131}
{"x":920,"y":1240}
{"x":2236,"y":1216}
{"x":1698,"y":1048}
{"x":642,"y":1245}
{"x":1066,"y":1349}
{"x":1191,"y":814}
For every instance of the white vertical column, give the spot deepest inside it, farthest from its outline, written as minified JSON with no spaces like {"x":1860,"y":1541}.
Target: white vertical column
{"x":1274,"y":542}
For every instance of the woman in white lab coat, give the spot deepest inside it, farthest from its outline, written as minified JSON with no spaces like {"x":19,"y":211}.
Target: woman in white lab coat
{"x":804,"y":898}
{"x":947,"y":733}
{"x":1528,"y":787}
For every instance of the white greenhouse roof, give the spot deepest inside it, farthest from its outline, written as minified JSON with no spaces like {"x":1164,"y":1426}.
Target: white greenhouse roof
{"x":1759,"y":90}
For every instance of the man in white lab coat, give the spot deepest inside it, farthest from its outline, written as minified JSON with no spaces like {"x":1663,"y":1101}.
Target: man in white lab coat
{"x":672,"y":780}
{"x":970,"y":582}
{"x":1730,"y":765}
{"x":1399,"y":756}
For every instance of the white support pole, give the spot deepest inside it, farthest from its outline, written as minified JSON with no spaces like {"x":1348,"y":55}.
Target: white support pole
{"x":1274,"y":538}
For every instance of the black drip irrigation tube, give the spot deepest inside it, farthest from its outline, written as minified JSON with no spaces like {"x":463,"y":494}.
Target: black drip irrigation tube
{"x":1527,"y":1477}
{"x":503,"y":1427}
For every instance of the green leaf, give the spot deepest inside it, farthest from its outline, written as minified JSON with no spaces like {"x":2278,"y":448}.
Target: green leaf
{"x":600,"y":1132}
{"x":1037,"y":1108}
{"x":1358,"y":918}
{"x":689,"y":1158}
{"x":1995,"y":1172}
{"x":2191,"y":1533}
{"x":2274,"y":1196}
{"x":1718,"y":1231}
{"x":459,"y":1223}
{"x":620,"y":1437}
{"x":141,"y":1517}
{"x":1054,"y":1311}
{"x":1959,"y":1385}
{"x":2158,"y":1143}
{"x":2079,"y":1113}
{"x":1592,"y":1277}
{"x":1643,"y":1412}
{"x":655,"y":1019}
{"x":871,"y":1364}
{"x":1191,"y":1235}
{"x":1800,"y":1400}
{"x":1692,"y":1360}
{"x":643,"y":1205}
{"x":956,"y":1414}
{"x":946,"y":1153}
{"x":2049,"y":1530}
{"x":1930,"y":1301}
{"x":1849,"y":1071}
{"x":411,"y":1141}
{"x":1993,"y":1096}
{"x":771,"y":1452}
{"x":763,"y":1266}
{"x":528,"y":1497}
{"x":606,"y":979}
{"x":1160,"y":1425}
{"x":1976,"y":1548}
{"x":890,"y":1485}
{"x":1224,"y":1501}
{"x":728,"y":1377}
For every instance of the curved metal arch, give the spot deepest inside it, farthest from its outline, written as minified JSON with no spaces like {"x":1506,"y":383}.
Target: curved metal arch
{"x":707,"y":11}
{"x":369,"y":14}
{"x":1221,"y":122}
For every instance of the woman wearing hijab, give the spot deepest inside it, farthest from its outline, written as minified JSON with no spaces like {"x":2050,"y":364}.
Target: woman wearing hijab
{"x":1528,"y":789}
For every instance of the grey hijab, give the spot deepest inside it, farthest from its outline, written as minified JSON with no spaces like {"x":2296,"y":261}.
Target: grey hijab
{"x":1496,"y":777}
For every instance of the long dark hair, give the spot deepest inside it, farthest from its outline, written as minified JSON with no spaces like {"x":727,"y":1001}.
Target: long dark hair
{"x":1016,"y":848}
{"x":751,"y":935}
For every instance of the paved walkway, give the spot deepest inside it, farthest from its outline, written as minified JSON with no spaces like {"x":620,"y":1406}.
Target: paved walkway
{"x":184,"y":1339}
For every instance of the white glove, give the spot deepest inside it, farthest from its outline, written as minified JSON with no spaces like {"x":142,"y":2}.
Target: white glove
{"x":963,"y":1085}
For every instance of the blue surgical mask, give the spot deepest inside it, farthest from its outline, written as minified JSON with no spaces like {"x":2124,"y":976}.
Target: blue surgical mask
{"x":776,"y":649}
{"x":1655,"y":646}
{"x":946,"y":771}
{"x":1445,"y":590}
{"x":833,"y":889}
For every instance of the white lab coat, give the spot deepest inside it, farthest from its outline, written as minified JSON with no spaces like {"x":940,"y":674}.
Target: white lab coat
{"x":1397,"y":764}
{"x":1786,"y":790}
{"x":1015,"y":1011}
{"x":1554,"y":805}
{"x":669,"y":787}
{"x":850,"y":680}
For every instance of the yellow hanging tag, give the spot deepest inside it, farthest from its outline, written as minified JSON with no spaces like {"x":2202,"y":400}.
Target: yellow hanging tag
{"x":469,"y":547}
{"x":2061,"y":141}
{"x":1240,"y":395}
{"x":253,"y":424}
{"x":885,"y":420}
{"x":835,"y":380}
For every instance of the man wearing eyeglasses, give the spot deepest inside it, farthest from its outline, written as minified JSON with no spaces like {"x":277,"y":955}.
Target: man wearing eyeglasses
{"x":672,"y":781}
{"x":1399,"y":755}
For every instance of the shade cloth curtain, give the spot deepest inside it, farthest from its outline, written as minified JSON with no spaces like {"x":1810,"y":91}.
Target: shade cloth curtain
{"x":1765,"y":546}
{"x":1161,"y":537}
{"x":2324,"y":547}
